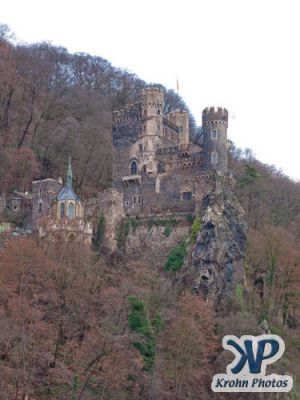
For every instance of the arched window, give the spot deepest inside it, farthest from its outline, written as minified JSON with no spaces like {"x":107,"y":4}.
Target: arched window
{"x":71,"y":211}
{"x":62,"y":210}
{"x":214,"y":158}
{"x":133,"y":168}
{"x":40,"y":206}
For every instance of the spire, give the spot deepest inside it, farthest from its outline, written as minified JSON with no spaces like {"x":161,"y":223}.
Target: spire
{"x":69,"y":174}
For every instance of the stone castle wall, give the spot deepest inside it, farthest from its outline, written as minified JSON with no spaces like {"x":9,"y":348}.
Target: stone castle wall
{"x":44,"y":193}
{"x":148,"y":240}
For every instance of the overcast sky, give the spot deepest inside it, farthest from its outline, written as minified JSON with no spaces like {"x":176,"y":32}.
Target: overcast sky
{"x":240,"y":54}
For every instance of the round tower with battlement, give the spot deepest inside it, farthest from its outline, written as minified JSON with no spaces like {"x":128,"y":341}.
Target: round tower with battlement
{"x":214,"y":125}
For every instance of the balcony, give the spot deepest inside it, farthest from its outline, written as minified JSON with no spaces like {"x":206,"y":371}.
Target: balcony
{"x":131,"y":179}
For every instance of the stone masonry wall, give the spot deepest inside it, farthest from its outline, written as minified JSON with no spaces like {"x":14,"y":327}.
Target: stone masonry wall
{"x":147,"y":240}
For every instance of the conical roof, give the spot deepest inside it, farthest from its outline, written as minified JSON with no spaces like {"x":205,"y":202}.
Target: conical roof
{"x":67,"y":192}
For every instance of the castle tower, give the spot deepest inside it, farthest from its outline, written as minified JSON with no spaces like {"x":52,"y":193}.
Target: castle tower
{"x":180,"y":118}
{"x":152,"y":104}
{"x":214,"y":125}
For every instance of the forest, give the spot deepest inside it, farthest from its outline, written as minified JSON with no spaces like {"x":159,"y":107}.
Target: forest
{"x":77,"y":324}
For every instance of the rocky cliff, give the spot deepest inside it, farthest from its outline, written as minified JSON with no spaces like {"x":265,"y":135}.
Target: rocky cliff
{"x":218,"y":254}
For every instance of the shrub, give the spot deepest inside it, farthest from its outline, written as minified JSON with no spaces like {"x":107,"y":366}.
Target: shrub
{"x":139,"y":322}
{"x":168,"y":230}
{"x":176,"y":258}
{"x":196,"y":228}
{"x":190,"y":218}
{"x":100,"y":233}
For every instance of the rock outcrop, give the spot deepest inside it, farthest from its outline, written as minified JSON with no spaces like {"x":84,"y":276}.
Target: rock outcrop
{"x":220,"y":247}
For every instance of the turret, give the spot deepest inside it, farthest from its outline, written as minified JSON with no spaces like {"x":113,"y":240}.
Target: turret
{"x":180,"y":118}
{"x":214,"y":125}
{"x":152,"y":106}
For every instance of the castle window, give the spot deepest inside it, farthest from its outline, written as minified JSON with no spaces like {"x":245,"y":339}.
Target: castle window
{"x":161,"y":168}
{"x":71,"y":211}
{"x":141,"y":147}
{"x":134,"y":199}
{"x":40,"y":192}
{"x":40,"y":207}
{"x":187,"y":196}
{"x":144,"y":168}
{"x":140,"y":199}
{"x":62,"y":210}
{"x":214,"y":134}
{"x":133,"y":168}
{"x":158,"y":112}
{"x":214,"y":158}
{"x":127,"y":203}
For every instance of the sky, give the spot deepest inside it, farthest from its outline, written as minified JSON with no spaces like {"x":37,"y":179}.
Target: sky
{"x":240,"y":54}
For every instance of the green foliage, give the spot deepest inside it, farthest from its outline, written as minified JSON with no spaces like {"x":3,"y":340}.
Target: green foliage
{"x":170,"y":222}
{"x":136,"y":304}
{"x":139,"y":322}
{"x":4,"y":226}
{"x":134,"y":224}
{"x":176,"y":258}
{"x":132,"y":378}
{"x":196,"y":228}
{"x":189,"y":218}
{"x":249,"y":177}
{"x":122,"y":231}
{"x":100,"y":232}
{"x":51,"y":390}
{"x":75,"y":386}
{"x":239,"y":293}
{"x":168,"y":230}
{"x":137,"y":319}
{"x":126,"y":228}
{"x":157,"y":323}
{"x":147,"y":350}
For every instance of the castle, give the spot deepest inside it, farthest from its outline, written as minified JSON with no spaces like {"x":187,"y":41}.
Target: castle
{"x":157,"y":171}
{"x":156,"y":167}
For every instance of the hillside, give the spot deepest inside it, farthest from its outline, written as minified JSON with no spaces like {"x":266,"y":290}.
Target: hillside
{"x":88,"y":324}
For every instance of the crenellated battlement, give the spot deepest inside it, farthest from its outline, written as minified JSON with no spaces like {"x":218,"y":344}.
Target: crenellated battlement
{"x":130,"y":113}
{"x":184,"y":148}
{"x":178,"y":111}
{"x":152,"y":96}
{"x":214,"y":115}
